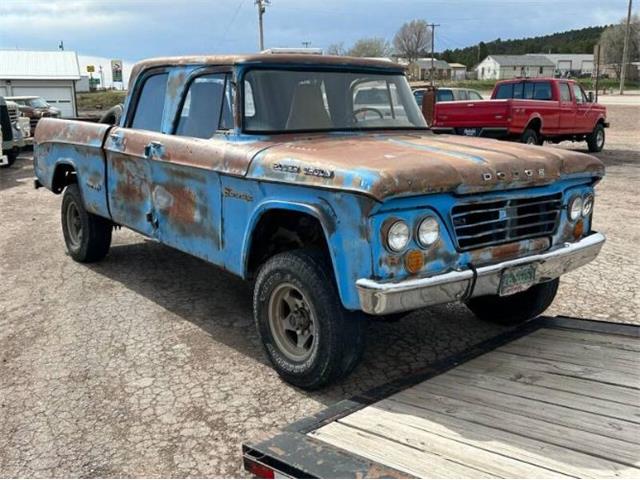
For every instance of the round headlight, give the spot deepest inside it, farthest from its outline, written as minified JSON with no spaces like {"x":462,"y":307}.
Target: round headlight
{"x":428,"y":231}
{"x":398,"y":236}
{"x":575,"y":208}
{"x":587,"y":205}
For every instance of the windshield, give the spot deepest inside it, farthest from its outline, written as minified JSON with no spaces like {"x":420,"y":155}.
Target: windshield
{"x":288,"y":101}
{"x":38,"y":103}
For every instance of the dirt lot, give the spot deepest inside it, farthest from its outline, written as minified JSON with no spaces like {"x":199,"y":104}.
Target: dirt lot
{"x":147,"y":364}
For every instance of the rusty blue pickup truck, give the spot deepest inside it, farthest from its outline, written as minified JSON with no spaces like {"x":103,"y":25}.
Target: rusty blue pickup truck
{"x":316,"y":178}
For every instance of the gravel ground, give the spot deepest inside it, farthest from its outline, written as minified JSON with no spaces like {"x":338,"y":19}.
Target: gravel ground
{"x":147,"y":364}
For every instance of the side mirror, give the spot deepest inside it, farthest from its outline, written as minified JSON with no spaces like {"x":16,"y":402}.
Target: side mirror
{"x":590,"y":96}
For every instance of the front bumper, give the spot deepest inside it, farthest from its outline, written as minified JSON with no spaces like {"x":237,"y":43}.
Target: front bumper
{"x":377,"y":298}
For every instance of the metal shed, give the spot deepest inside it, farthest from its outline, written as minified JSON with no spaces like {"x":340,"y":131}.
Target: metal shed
{"x":47,"y":74}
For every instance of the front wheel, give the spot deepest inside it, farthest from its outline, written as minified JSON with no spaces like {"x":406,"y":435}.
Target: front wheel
{"x":87,"y":236}
{"x":310,"y":339}
{"x":517,"y":308}
{"x":595,"y":140}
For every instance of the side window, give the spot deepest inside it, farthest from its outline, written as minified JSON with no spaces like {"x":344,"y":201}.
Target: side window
{"x":444,"y":96}
{"x":150,"y":106}
{"x":542,"y":91}
{"x":474,"y":95}
{"x":527,"y":90}
{"x":577,"y":92}
{"x":505,"y":91}
{"x":206,"y":107}
{"x":517,"y":90}
{"x":249,"y":101}
{"x":565,"y":93}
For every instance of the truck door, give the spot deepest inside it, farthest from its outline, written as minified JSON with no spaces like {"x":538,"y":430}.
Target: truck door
{"x":584,"y":113}
{"x":185,"y":186}
{"x":567,"y":109}
{"x":128,"y":151}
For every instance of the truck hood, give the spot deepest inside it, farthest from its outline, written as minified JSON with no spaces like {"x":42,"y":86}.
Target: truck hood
{"x":390,"y":165}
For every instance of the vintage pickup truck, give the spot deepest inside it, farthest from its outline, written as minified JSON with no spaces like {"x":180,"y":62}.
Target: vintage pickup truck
{"x":262,"y":164}
{"x":531,"y":110}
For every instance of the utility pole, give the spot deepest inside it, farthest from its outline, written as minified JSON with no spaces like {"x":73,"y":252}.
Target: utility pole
{"x":433,"y":42}
{"x":262,"y":5}
{"x":625,"y":50}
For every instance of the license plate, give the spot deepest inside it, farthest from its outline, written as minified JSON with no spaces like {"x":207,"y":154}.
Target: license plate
{"x":470,"y":132}
{"x":517,"y":279}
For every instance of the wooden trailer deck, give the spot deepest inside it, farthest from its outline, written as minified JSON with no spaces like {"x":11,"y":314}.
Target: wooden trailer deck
{"x":557,"y":398}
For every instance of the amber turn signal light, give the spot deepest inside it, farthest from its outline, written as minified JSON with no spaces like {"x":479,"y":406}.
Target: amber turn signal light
{"x":414,"y":261}
{"x":578,"y":230}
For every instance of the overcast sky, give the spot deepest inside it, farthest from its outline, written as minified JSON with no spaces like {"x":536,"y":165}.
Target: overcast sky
{"x":135,"y":29}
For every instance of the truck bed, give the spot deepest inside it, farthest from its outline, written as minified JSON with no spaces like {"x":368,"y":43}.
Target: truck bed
{"x":558,"y":397}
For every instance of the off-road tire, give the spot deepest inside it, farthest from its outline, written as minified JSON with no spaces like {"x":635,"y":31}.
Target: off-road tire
{"x":592,"y":139}
{"x":517,"y":308}
{"x":530,"y":137}
{"x":96,"y":231}
{"x":340,"y":337}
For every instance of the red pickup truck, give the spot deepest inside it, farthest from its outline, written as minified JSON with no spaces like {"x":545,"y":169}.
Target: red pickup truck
{"x":529,"y":110}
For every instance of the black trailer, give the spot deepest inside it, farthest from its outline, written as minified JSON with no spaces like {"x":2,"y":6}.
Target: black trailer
{"x":556,"y":397}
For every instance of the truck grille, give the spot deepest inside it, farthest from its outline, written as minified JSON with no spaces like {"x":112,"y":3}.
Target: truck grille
{"x":14,"y":113}
{"x":493,"y":222}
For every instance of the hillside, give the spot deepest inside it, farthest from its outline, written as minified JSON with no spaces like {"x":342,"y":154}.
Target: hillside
{"x":572,"y":41}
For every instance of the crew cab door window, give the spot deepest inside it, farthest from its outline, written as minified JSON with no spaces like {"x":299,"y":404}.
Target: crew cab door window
{"x":565,"y":93}
{"x":150,"y":105}
{"x":505,"y":91}
{"x":206,"y":107}
{"x":542,"y":91}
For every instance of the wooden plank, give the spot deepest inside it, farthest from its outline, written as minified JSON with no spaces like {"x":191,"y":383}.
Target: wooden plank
{"x":543,"y":366}
{"x":492,"y":439}
{"x":498,"y":464}
{"x":509,"y":370}
{"x":399,"y":456}
{"x":578,"y":401}
{"x":604,"y":350}
{"x":619,"y":342}
{"x":586,"y":442}
{"x":452,"y":387}
{"x":575,"y":355}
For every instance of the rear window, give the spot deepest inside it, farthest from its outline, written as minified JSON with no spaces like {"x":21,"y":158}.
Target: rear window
{"x":505,"y":91}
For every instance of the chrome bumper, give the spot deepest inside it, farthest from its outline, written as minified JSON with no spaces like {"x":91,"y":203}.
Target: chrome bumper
{"x":378,"y":298}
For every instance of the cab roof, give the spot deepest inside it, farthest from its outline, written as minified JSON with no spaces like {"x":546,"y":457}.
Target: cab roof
{"x":264,"y":59}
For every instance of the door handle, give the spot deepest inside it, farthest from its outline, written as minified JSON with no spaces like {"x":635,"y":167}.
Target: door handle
{"x":152,"y":148}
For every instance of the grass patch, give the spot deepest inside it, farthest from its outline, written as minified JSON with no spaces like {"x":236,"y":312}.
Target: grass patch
{"x":100,"y":100}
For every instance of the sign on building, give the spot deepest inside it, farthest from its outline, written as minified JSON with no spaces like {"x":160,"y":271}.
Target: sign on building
{"x":116,"y":70}
{"x":91,"y":68}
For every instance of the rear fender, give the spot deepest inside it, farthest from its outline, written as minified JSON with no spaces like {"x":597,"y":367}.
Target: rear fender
{"x":64,"y":144}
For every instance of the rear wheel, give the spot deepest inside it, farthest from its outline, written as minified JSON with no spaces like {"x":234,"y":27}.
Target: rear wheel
{"x":517,"y":308}
{"x":310,"y":339}
{"x":87,"y":236}
{"x":530,"y":137}
{"x":596,"y":139}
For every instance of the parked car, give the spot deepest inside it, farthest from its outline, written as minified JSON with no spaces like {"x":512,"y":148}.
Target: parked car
{"x":263,"y":165}
{"x":447,"y":94}
{"x":35,"y":108}
{"x":530,"y":110}
{"x":21,"y":126}
{"x":10,"y":148}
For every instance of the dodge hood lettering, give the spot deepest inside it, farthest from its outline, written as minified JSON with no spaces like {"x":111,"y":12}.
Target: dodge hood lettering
{"x":389,"y":165}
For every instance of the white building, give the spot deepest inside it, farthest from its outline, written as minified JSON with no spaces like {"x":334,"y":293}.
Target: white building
{"x":50,"y":75}
{"x":573,"y":63}
{"x":458,"y":71}
{"x":501,"y":67}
